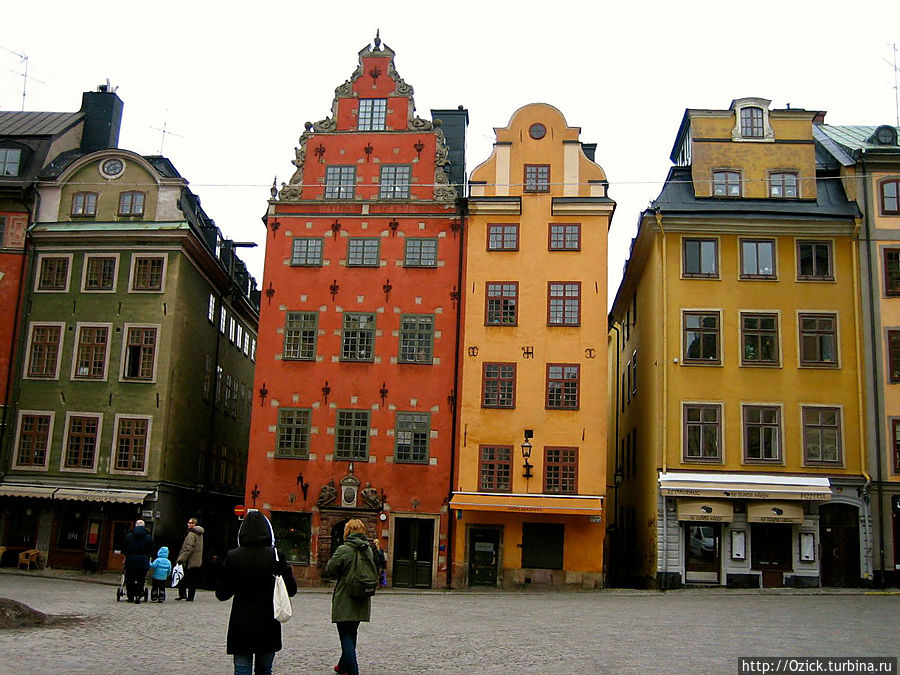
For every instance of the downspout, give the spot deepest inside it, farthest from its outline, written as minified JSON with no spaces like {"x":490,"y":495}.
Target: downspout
{"x":860,"y":391}
{"x":461,"y":205}
{"x":617,"y":536}
{"x":664,"y":387}
{"x":18,"y":329}
{"x":876,"y":391}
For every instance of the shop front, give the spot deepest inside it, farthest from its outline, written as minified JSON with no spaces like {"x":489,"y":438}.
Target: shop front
{"x":741,"y":530}
{"x":513,"y":540}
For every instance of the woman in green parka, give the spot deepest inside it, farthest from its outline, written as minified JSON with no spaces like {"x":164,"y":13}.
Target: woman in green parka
{"x":347,"y":612}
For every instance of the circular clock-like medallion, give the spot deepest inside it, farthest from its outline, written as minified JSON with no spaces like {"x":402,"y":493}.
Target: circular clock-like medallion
{"x":537,"y":131}
{"x":886,"y":136}
{"x":349,"y":494}
{"x":112,"y":168}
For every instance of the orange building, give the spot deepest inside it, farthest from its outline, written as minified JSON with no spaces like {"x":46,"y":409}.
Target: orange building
{"x":354,"y":393}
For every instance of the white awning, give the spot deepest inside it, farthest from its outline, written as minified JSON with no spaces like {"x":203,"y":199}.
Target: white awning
{"x":35,"y":491}
{"x":744,"y":486}
{"x":98,"y":495}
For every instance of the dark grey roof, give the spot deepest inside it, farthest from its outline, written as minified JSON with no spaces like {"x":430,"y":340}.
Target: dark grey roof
{"x":677,"y":196}
{"x":36,"y":123}
{"x":59,"y":163}
{"x":163,"y":165}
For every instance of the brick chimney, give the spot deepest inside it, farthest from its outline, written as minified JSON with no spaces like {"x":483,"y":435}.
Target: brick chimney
{"x":102,"y":118}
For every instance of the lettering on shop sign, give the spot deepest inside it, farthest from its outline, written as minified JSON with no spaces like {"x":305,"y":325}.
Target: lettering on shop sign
{"x":815,"y":496}
{"x":698,"y":516}
{"x":529,"y":509}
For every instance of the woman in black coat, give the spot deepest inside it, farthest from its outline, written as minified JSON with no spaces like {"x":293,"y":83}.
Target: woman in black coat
{"x":137,"y":547}
{"x":248,"y":575}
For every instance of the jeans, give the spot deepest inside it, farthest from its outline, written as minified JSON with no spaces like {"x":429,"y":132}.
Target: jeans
{"x":347,"y":633}
{"x":243,"y":664}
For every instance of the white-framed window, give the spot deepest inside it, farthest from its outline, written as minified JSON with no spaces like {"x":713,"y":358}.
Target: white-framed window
{"x":53,"y":272}
{"x":44,"y":350}
{"x":395,"y":181}
{"x":148,"y":273}
{"x":223,"y":320}
{"x":34,"y":436}
{"x":91,"y":354}
{"x":139,"y":353}
{"x":246,"y":343}
{"x":81,"y":442}
{"x":232,"y":329}
{"x":10,"y":161}
{"x":211,"y":309}
{"x":130,"y":444}
{"x":99,"y":273}
{"x":751,"y":120}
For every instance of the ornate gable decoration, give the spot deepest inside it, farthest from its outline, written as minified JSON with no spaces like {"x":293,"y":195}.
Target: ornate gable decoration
{"x":443,"y":191}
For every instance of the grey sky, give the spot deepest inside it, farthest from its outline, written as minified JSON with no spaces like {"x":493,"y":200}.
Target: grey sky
{"x":237,"y":81}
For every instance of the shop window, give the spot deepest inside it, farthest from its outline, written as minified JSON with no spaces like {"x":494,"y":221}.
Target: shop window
{"x":542,"y":545}
{"x":293,"y":532}
{"x":71,"y":530}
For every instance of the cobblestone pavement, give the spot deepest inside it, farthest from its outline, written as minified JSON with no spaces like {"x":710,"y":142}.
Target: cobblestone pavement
{"x":688,"y":631}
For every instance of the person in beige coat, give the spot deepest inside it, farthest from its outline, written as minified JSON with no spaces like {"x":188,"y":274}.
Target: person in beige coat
{"x":191,"y":558}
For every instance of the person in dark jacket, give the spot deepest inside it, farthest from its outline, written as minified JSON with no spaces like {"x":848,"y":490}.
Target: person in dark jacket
{"x":248,"y":575}
{"x":347,"y":612}
{"x":137,"y":548}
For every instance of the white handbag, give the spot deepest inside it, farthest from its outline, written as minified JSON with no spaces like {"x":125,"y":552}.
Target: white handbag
{"x":281,"y":602}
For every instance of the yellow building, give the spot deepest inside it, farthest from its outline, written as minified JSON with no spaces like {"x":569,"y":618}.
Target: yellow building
{"x":531,"y":470}
{"x":737,"y":444}
{"x":868,"y":158}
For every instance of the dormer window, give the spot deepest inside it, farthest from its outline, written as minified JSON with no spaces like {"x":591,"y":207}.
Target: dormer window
{"x":783,"y":185}
{"x":131,"y":204}
{"x":10,"y":161}
{"x":726,"y":184}
{"x":884,"y":135}
{"x":752,"y":122}
{"x":372,"y":113}
{"x":84,"y":204}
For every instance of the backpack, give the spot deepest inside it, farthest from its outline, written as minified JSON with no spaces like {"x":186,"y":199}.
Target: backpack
{"x":361,"y":578}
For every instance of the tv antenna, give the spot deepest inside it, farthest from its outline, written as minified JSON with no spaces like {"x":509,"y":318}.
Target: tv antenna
{"x":164,"y":132}
{"x":893,"y":65}
{"x":24,"y":75}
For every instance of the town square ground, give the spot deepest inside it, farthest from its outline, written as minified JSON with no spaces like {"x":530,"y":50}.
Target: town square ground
{"x":612,"y":631}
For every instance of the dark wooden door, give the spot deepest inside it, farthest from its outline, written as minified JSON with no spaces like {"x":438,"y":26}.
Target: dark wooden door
{"x":542,"y":545}
{"x":839,"y":528}
{"x":484,"y":556}
{"x":413,"y":552}
{"x":771,"y":552}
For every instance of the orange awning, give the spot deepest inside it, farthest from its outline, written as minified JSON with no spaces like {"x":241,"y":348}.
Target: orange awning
{"x":579,"y":505}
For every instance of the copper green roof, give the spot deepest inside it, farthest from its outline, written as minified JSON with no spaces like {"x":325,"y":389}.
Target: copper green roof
{"x":114,"y":226}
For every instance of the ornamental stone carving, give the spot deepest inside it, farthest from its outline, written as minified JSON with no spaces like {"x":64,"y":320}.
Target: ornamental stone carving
{"x":418,"y":124}
{"x":328,"y":494}
{"x":326,"y":125}
{"x":370,"y":497}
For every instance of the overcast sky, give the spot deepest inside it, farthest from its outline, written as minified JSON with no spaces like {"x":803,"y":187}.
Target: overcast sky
{"x":236,"y":81}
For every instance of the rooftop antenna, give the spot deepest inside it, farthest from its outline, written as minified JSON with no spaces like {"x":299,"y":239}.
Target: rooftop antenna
{"x":24,"y":76}
{"x":893,"y":65}
{"x":165,"y":133}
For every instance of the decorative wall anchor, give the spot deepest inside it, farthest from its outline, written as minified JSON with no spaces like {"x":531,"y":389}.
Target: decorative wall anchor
{"x":472,"y":351}
{"x":454,"y":226}
{"x":333,"y":289}
{"x":394,"y":225}
{"x":263,"y":393}
{"x":304,"y":487}
{"x":319,"y":152}
{"x":590,"y":353}
{"x":454,"y":296}
{"x":419,"y":146}
{"x":387,"y":288}
{"x":274,"y":225}
{"x":375,"y":73}
{"x":368,"y":150}
{"x":254,"y":493}
{"x":451,"y":399}
{"x":270,"y":291}
{"x":383,"y":392}
{"x":527,"y":352}
{"x":335,"y":227}
{"x":325,"y":391}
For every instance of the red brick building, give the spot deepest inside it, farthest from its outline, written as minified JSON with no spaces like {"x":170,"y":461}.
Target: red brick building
{"x":354,"y":392}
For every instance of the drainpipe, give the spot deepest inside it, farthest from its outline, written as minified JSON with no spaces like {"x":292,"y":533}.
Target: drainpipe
{"x":860,"y":391}
{"x":461,"y":205}
{"x":664,"y":387}
{"x":618,"y":536}
{"x":876,"y":393}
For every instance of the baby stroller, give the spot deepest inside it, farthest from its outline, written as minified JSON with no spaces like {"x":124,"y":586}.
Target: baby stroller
{"x":122,"y":590}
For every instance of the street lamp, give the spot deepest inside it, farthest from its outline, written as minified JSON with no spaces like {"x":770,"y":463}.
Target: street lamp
{"x":526,"y":455}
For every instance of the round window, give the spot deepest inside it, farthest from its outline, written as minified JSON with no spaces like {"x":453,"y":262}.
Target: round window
{"x":112,"y":168}
{"x":537,"y":131}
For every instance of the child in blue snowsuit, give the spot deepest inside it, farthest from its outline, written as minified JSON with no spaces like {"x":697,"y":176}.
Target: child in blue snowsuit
{"x":161,"y":568}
